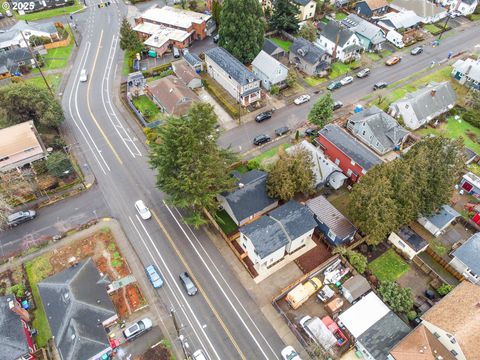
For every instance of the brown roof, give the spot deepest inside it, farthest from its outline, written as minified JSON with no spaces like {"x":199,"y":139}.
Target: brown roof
{"x":458,"y":313}
{"x":184,"y":72}
{"x":376,"y":4}
{"x":172,"y":94}
{"x":17,"y":138}
{"x":420,"y":344}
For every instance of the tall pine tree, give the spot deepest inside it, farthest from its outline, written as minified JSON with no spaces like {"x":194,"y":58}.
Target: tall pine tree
{"x":242,"y":28}
{"x":129,"y":40}
{"x":285,"y":16}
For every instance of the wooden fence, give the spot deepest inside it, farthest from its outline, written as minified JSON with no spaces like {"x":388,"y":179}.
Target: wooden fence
{"x":58,"y":44}
{"x":444,"y":263}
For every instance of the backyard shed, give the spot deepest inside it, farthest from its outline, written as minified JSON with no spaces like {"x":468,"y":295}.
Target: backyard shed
{"x":438,"y":222}
{"x":408,"y":242}
{"x":355,"y":287}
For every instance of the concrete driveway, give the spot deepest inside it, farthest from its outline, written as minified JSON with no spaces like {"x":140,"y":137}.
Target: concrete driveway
{"x":226,"y":121}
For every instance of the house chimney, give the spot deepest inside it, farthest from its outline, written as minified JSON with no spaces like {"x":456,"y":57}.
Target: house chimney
{"x":433,"y":92}
{"x":14,"y":305}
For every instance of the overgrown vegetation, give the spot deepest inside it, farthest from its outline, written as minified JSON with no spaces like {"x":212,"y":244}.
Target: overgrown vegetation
{"x":398,"y":298}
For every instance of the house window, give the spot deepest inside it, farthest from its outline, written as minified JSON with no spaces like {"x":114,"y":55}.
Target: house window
{"x":331,"y":234}
{"x":437,"y":335}
{"x":454,"y":353}
{"x":352,"y":162}
{"x":401,"y":243}
{"x":349,"y":172}
{"x":337,"y":161}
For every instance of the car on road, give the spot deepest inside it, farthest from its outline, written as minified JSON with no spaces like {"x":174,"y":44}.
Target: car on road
{"x":346,"y":80}
{"x":137,"y":329}
{"x":263,"y":116}
{"x":363,"y":73}
{"x":380,"y":85}
{"x":282,"y":130}
{"x":20,"y":217}
{"x":188,"y":284}
{"x":416,"y":50}
{"x":334,"y":85}
{"x":261,"y":139}
{"x":143,"y":210}
{"x":83,"y":75}
{"x":393,"y":60}
{"x":337,"y":105}
{"x":199,"y":355}
{"x":289,"y":353}
{"x":154,"y":276}
{"x":311,"y":132}
{"x":301,"y":99}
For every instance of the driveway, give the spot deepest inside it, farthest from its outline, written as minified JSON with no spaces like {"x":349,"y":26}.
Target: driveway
{"x":226,"y":121}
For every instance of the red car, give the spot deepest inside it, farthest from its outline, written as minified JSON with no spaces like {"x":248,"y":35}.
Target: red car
{"x":335,"y":330}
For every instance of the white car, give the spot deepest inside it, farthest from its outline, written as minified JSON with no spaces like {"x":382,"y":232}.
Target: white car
{"x":302,"y":99}
{"x":199,"y":355}
{"x":83,"y":75}
{"x":289,"y":353}
{"x":346,"y":80}
{"x":137,"y":329}
{"x":142,"y":210}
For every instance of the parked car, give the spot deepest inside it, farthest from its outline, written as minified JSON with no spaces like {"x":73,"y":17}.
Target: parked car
{"x":216,"y":38}
{"x":289,"y":353}
{"x":346,"y":80}
{"x":199,"y":355}
{"x":416,"y":50}
{"x":302,"y":99}
{"x":380,"y":85}
{"x":176,"y":52}
{"x":143,"y":210}
{"x":337,"y":105}
{"x":188,"y":284}
{"x":263,"y":116}
{"x":393,"y":60}
{"x":83,"y":75}
{"x":325,"y":293}
{"x":137,"y":329}
{"x":335,"y":330}
{"x":363,"y":73}
{"x":261,"y":139}
{"x":154,"y":276}
{"x":282,"y":130}
{"x":311,"y":132}
{"x":334,"y":85}
{"x":20,"y":217}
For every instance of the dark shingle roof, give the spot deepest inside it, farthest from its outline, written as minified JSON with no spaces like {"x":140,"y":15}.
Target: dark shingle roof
{"x":469,"y":253}
{"x":331,"y":29}
{"x":379,"y":338}
{"x":76,"y":303}
{"x":350,"y":146}
{"x":415,"y":241}
{"x":192,"y":58}
{"x":270,"y":47}
{"x":11,"y":58}
{"x":13,"y":343}
{"x":295,"y":218}
{"x":231,"y":65}
{"x":306,"y":50}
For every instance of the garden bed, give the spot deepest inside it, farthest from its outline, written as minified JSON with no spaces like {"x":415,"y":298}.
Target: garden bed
{"x":389,"y":266}
{"x":147,"y":107}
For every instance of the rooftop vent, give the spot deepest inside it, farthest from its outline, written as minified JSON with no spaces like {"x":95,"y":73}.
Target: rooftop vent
{"x":433,"y":92}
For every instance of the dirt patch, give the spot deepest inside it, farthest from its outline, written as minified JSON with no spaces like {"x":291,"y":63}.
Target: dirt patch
{"x":159,"y":352}
{"x":120,"y":304}
{"x":134,"y":296}
{"x":314,"y":257}
{"x":373,"y":251}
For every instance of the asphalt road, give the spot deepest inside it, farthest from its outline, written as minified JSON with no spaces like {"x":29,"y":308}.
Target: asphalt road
{"x":240,"y":138}
{"x":221,"y":318}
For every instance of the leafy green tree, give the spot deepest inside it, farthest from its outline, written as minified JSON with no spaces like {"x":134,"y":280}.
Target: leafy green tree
{"x":191,"y":168}
{"x":291,"y":78}
{"x":23,"y":101}
{"x":129,"y":40}
{"x":322,"y":111}
{"x":308,"y":31}
{"x":242,"y":28}
{"x":291,"y":174}
{"x":285,"y":16}
{"x":444,"y":289}
{"x":398,"y":298}
{"x":216,"y":11}
{"x":58,"y":164}
{"x":357,"y":260}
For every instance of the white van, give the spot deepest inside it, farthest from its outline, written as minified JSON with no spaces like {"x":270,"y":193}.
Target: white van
{"x":83,"y":75}
{"x":199,"y":355}
{"x":395,"y":38}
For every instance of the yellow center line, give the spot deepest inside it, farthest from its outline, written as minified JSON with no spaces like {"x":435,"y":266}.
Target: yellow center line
{"x":90,"y":109}
{"x":192,"y":275}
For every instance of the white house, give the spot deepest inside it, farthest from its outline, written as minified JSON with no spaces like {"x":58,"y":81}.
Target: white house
{"x":283,"y":231}
{"x":371,"y":36}
{"x":467,"y":72}
{"x":269,"y":70}
{"x":428,"y":11}
{"x":12,"y":38}
{"x":306,"y":9}
{"x":466,"y":259}
{"x":437,"y":223}
{"x":466,"y":7}
{"x":399,"y":20}
{"x":233,"y":76}
{"x":408,"y":242}
{"x":340,"y":43}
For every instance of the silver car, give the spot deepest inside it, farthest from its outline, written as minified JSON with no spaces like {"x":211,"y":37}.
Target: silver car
{"x":21,"y":217}
{"x":188,"y":284}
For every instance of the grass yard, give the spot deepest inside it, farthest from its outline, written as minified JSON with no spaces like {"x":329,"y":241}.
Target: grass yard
{"x":340,"y":199}
{"x":432,"y":29}
{"x":45,"y":14}
{"x":389,"y":266}
{"x":52,"y":79}
{"x":338,"y":69}
{"x":56,"y":58}
{"x":242,"y":168}
{"x":314,"y":81}
{"x":474,"y":168}
{"x":373,"y":56}
{"x":267,"y":155}
{"x":339,"y":16}
{"x":293,"y":90}
{"x":225,"y":222}
{"x":146,"y":106}
{"x":284,"y":44}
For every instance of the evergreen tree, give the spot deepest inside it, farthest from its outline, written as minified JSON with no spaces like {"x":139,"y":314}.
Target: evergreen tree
{"x":322,"y":111}
{"x":216,"y":11}
{"x":242,"y":28}
{"x":191,"y":168}
{"x":398,"y":298}
{"x":285,"y":16}
{"x":129,"y":40}
{"x":59,"y":165}
{"x":308,"y":31}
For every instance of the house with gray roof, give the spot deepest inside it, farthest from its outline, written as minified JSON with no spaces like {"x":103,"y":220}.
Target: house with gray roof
{"x":78,"y":308}
{"x":14,"y":60}
{"x":438,"y":222}
{"x":355,"y":287}
{"x":249,"y":199}
{"x":466,"y":259}
{"x":269,"y":70}
{"x":467,"y":73}
{"x":428,"y":11}
{"x":233,"y":76}
{"x":308,"y":58}
{"x":193,"y":61}
{"x":404,"y":20}
{"x":282,"y":231}
{"x":306,"y":9}
{"x":12,"y":37}
{"x":377,"y":129}
{"x":273,"y":49}
{"x":371,"y":36}
{"x":424,"y":105}
{"x":339,"y":42}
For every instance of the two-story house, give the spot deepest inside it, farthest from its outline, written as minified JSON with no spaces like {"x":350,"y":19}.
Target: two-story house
{"x":467,"y":72}
{"x":466,"y":7}
{"x":306,"y":9}
{"x":371,"y":8}
{"x":339,"y":42}
{"x":233,"y":76}
{"x":269,"y":70}
{"x":308,"y":58}
{"x":371,"y":36}
{"x":377,"y":129}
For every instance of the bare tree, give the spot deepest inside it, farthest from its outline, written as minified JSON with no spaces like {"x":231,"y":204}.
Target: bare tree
{"x":5,"y":209}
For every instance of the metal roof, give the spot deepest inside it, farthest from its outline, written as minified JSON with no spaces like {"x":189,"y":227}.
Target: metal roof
{"x":469,"y":253}
{"x":231,"y":65}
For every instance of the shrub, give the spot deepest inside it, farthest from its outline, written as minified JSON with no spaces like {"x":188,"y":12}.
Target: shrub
{"x":472,"y":117}
{"x":253,"y":164}
{"x":274,"y":90}
{"x":18,"y":290}
{"x":444,"y":289}
{"x":58,"y":164}
{"x":411,"y":315}
{"x":398,"y":298}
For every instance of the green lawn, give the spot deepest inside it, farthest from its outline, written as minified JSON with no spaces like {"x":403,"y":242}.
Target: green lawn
{"x":314,"y":81}
{"x":432,"y":29}
{"x":474,"y":168}
{"x":52,"y":79}
{"x":284,"y":44}
{"x":225,"y":222}
{"x":270,"y":153}
{"x":340,"y":16}
{"x":373,"y":56}
{"x":45,"y":14}
{"x":57,"y":58}
{"x":338,"y":69}
{"x":389,"y":266}
{"x":146,"y":106}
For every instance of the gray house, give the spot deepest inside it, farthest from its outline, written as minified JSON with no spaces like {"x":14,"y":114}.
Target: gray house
{"x":308,"y":58}
{"x":339,"y":42}
{"x":371,"y":36}
{"x":12,"y":61}
{"x":273,"y":49}
{"x":377,"y":129}
{"x":249,"y":200}
{"x":422,"y":106}
{"x":467,"y":72}
{"x":269,"y":70}
{"x":466,"y":259}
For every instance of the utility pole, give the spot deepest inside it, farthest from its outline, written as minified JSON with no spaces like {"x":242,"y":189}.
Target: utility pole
{"x":36,"y":63}
{"x":444,"y":27}
{"x":71,"y":30}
